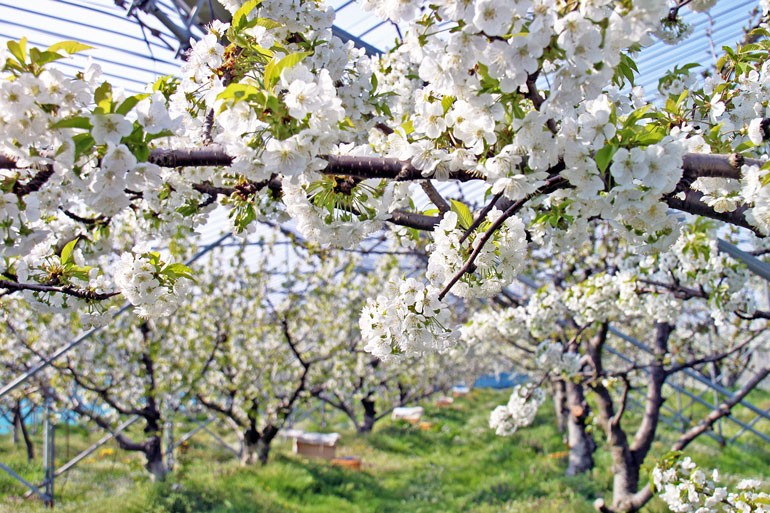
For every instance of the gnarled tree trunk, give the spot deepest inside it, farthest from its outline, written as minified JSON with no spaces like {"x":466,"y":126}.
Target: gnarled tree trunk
{"x":256,"y":445}
{"x":581,"y":444}
{"x":560,"y":405}
{"x":154,"y":454}
{"x":19,"y":426}
{"x":370,"y":415}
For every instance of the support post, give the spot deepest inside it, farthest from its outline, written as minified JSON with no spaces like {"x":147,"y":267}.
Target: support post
{"x":170,"y":446}
{"x":49,"y":453}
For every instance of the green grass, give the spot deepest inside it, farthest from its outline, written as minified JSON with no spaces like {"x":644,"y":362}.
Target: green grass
{"x":458,"y":465}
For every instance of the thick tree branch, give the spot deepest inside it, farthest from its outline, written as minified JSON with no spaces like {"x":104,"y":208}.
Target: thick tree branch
{"x":66,"y":289}
{"x":711,"y":358}
{"x":720,"y":411}
{"x":694,"y":166}
{"x":645,"y":434}
{"x":692,"y":204}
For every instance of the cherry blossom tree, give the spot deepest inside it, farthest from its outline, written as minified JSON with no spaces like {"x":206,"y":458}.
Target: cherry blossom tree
{"x":695,"y":305}
{"x":272,"y":333}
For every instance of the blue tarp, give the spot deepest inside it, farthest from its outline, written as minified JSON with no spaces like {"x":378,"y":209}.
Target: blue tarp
{"x":502,"y":380}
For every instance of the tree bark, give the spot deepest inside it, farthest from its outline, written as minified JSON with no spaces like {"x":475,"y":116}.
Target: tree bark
{"x":249,"y":453}
{"x":560,"y":405}
{"x":263,"y":446}
{"x":581,"y":444}
{"x":370,"y":416}
{"x":16,"y":425}
{"x":256,"y":445}
{"x":19,"y":426}
{"x":154,"y":454}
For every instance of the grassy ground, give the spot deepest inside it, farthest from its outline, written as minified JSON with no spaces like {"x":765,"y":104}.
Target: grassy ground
{"x":457,"y":465}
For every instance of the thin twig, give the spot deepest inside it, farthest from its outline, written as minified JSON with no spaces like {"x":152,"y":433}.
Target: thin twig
{"x":430,"y":190}
{"x":552,"y":183}
{"x":481,"y":217}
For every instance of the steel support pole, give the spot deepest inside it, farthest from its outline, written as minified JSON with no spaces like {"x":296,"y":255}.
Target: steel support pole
{"x":49,"y":454}
{"x":168,"y":430}
{"x":204,"y":425}
{"x":40,"y":493}
{"x":90,"y":450}
{"x":743,"y":430}
{"x":754,"y":264}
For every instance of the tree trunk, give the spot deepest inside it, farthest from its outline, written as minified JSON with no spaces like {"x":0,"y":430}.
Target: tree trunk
{"x":27,"y":440}
{"x":256,"y":445}
{"x":19,"y":427}
{"x":155,"y":464}
{"x":249,"y":453}
{"x":625,"y":483}
{"x":370,"y":416}
{"x":560,"y":405}
{"x":16,"y":426}
{"x":263,"y":451}
{"x":268,"y":434}
{"x":581,"y":444}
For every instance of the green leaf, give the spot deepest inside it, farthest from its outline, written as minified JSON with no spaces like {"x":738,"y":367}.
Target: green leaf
{"x":188,"y":209}
{"x":83,"y":144}
{"x":73,"y":122}
{"x":603,"y":157}
{"x":69,"y":46}
{"x":636,"y":115}
{"x":177,"y":271}
{"x":263,"y":22}
{"x":464,"y":215}
{"x":154,"y":257}
{"x":141,"y":151}
{"x":66,"y":252}
{"x":275,"y":67}
{"x":129,"y":103}
{"x":240,"y":92}
{"x":746,"y":145}
{"x":103,"y":97}
{"x":166,"y":85}
{"x":43,"y":58}
{"x":18,"y":49}
{"x":79,"y":272}
{"x":239,"y":18}
{"x":446,"y":103}
{"x":163,"y":133}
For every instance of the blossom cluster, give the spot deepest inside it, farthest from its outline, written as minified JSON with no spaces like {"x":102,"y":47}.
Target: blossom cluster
{"x":152,"y":286}
{"x":406,"y":319}
{"x":686,"y":488}
{"x":552,"y":357}
{"x":519,"y":412}
{"x":498,"y":261}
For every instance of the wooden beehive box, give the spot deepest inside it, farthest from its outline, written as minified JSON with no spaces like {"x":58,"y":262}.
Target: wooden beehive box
{"x":412,"y":415}
{"x":317,"y":445}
